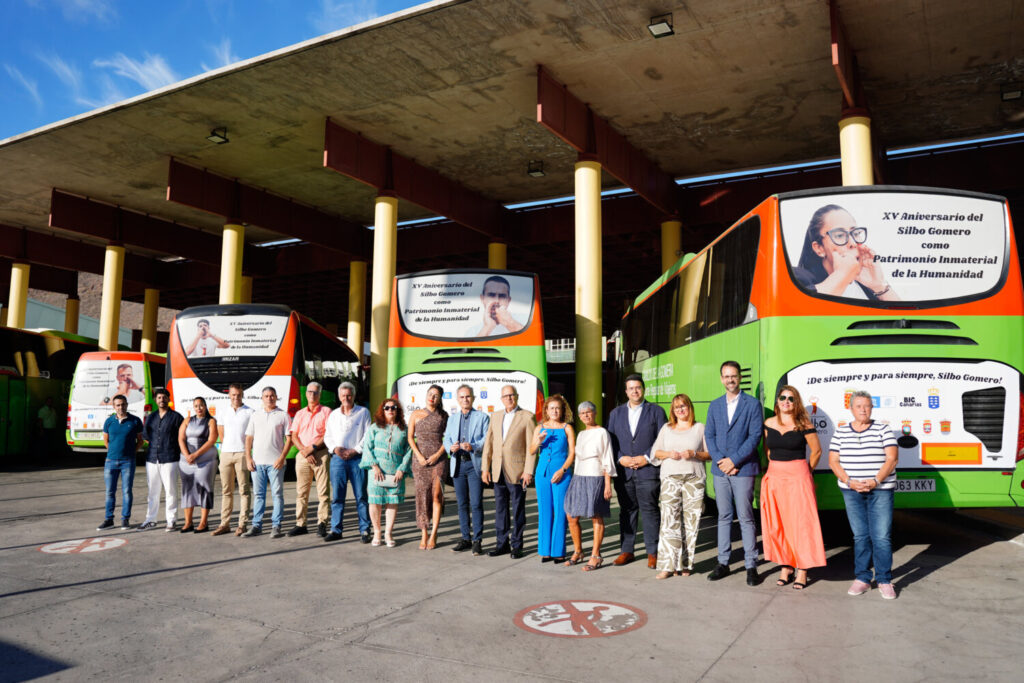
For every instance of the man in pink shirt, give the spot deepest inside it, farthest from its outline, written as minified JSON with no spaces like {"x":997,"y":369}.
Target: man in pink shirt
{"x":311,"y":462}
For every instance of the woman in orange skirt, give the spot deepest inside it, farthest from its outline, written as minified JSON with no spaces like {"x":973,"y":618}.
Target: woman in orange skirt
{"x":790,"y":529}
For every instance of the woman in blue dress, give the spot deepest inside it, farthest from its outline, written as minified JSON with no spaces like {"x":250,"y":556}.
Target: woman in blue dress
{"x":386,"y":451}
{"x":554,"y":441}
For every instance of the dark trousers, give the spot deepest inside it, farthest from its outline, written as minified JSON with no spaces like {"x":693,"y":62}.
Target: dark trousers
{"x":638,"y":498}
{"x":469,"y":493}
{"x":509,"y":494}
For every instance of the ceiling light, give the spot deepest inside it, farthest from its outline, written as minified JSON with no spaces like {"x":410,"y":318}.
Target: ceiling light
{"x":218,"y":136}
{"x":661,"y":25}
{"x":1011,"y":91}
{"x":535,"y":169}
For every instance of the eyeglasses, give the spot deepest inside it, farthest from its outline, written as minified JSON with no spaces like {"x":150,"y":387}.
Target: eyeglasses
{"x":390,"y":408}
{"x":509,"y":395}
{"x":840,"y":236}
{"x":787,"y":399}
{"x":467,"y":397}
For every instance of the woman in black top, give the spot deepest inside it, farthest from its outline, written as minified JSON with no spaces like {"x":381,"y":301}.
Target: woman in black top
{"x":790,"y":529}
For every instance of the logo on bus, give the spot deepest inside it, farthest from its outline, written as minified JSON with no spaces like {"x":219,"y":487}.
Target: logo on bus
{"x":933,"y":399}
{"x":927,"y":427}
{"x":910,"y":402}
{"x":944,"y":426}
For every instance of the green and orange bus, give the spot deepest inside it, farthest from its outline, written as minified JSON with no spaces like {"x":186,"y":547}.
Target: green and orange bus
{"x":912,"y":294}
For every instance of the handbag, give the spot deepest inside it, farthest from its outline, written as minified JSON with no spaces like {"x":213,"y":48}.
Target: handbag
{"x":388,"y":483}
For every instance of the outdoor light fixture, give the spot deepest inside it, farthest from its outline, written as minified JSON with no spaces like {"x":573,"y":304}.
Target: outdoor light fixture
{"x":661,"y":26}
{"x":218,"y":136}
{"x":535,"y":169}
{"x":1011,"y":91}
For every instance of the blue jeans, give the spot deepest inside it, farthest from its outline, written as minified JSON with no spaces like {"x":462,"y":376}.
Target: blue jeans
{"x":126,"y":470}
{"x":870,"y":516}
{"x":469,"y":494}
{"x":260,"y":477}
{"x":735,"y":497}
{"x":343,"y":472}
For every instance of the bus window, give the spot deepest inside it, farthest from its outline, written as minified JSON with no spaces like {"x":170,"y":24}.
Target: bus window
{"x":732,"y":275}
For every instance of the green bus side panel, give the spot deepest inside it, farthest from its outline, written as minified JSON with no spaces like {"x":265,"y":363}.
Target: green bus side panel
{"x":17,"y":416}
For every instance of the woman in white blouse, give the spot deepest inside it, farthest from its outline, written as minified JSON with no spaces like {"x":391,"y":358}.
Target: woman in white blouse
{"x":680,"y":452}
{"x":591,"y":487}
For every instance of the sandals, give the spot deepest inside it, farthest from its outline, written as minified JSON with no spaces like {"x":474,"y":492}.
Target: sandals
{"x":594,"y":564}
{"x":684,"y":572}
{"x":784,"y":580}
{"x":799,"y":585}
{"x":664,"y":575}
{"x":575,"y":559}
{"x":390,"y":542}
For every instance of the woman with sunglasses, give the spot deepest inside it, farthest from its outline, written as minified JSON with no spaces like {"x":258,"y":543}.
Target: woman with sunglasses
{"x":387,"y":452}
{"x":680,"y":452}
{"x":790,"y":530}
{"x":835,"y":259}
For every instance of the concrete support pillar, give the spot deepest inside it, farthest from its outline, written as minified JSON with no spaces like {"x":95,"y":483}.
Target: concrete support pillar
{"x":855,"y":149}
{"x":385,"y":242}
{"x":3,"y":315}
{"x":356,"y":306}
{"x":671,"y":243}
{"x":497,"y":256}
{"x":246,"y":295}
{"x":17,"y":300}
{"x":110,"y":307}
{"x":588,"y":284}
{"x":71,"y":315}
{"x":231,"y":263}
{"x":150,"y":310}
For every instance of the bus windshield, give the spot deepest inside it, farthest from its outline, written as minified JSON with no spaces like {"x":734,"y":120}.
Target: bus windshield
{"x":453,"y":306}
{"x":908,"y":249}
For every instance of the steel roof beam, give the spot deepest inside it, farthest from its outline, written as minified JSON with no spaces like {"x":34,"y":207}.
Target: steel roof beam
{"x":379,"y":167}
{"x":591,"y":135}
{"x":237,"y":202}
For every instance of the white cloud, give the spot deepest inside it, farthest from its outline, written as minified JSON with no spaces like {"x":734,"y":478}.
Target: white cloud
{"x":109,"y":94}
{"x":334,"y":14}
{"x":222,"y":55}
{"x":81,"y":10}
{"x":151,"y":73}
{"x":68,"y":74}
{"x":28,"y":84}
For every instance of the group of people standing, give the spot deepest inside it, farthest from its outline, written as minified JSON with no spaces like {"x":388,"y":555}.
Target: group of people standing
{"x":655,"y":464}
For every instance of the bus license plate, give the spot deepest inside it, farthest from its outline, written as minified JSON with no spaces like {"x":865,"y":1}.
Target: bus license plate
{"x":915,"y":485}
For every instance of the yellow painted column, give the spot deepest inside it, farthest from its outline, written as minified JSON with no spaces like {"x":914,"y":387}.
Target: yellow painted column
{"x":110,"y":307}
{"x":17,"y":300}
{"x":356,"y":306}
{"x":231,"y":263}
{"x":588,"y":284}
{"x":855,"y":150}
{"x":246,"y":292}
{"x":3,"y":315}
{"x":150,"y":310}
{"x":671,"y":243}
{"x":497,"y":256}
{"x":71,"y":315}
{"x":385,"y":244}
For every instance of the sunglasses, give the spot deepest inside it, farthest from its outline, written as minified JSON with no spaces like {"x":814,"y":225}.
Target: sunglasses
{"x":840,"y":236}
{"x":787,"y":399}
{"x":390,"y":407}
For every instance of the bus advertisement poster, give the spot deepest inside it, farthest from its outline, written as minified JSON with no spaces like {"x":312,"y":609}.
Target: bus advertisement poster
{"x":97,"y":382}
{"x":465,"y":305}
{"x":948,"y":408}
{"x":895,"y":246}
{"x":412,"y":389}
{"x":231,"y":335}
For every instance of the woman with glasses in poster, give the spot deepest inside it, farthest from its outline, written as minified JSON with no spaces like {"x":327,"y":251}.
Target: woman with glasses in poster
{"x":790,"y":530}
{"x":836,"y":261}
{"x":387,"y":453}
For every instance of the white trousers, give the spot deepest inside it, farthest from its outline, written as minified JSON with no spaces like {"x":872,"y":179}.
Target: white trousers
{"x":166,"y":475}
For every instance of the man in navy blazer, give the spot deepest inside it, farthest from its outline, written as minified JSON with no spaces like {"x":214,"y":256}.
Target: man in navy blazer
{"x":732,"y":433}
{"x":633,"y":428}
{"x":464,"y":439}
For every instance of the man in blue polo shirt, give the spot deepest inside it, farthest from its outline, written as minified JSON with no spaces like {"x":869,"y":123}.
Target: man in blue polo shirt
{"x":122,"y":435}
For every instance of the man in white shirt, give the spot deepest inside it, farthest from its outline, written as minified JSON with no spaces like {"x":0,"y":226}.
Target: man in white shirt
{"x":346,"y":427}
{"x":205,"y":343}
{"x":266,"y":446}
{"x":232,"y":424}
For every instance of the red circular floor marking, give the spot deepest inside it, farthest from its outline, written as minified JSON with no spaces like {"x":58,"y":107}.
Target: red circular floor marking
{"x":83,"y":545}
{"x":580,"y":618}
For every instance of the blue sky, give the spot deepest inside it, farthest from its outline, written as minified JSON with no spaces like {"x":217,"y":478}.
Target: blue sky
{"x":59,"y":58}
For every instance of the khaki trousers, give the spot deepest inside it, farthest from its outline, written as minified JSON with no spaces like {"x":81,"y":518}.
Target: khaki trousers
{"x":304,"y":476}
{"x":232,"y":468}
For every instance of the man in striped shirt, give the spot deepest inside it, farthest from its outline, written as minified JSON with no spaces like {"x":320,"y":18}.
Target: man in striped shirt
{"x":863,"y":457}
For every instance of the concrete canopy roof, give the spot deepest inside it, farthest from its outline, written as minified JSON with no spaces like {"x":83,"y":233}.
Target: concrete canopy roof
{"x":742,"y":84}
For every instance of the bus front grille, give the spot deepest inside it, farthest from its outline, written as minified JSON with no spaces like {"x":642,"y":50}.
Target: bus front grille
{"x":983,"y":415}
{"x":220,"y":373}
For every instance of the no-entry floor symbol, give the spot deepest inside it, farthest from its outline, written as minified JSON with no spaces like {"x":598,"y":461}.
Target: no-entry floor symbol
{"x":83,"y":545}
{"x":580,"y":618}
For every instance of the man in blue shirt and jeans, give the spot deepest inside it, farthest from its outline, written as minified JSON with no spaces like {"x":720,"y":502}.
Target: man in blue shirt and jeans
{"x":122,"y":435}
